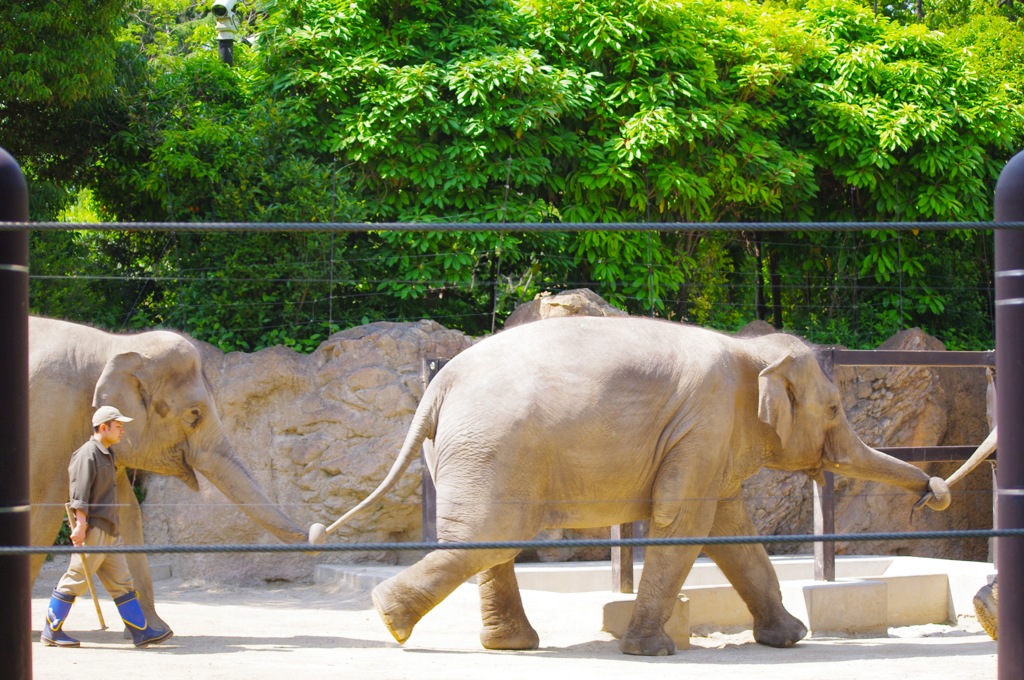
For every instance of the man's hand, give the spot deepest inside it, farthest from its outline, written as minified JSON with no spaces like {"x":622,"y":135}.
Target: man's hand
{"x":81,"y":527}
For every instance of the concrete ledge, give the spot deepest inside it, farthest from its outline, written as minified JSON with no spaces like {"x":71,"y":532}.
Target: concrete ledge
{"x":616,"y":614}
{"x":847,"y":608}
{"x":919,"y":598}
{"x":357,"y":577}
{"x":714,"y":608}
{"x":917,"y":591}
{"x":160,"y":572}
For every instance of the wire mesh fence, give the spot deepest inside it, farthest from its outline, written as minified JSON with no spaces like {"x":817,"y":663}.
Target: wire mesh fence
{"x":245,"y":286}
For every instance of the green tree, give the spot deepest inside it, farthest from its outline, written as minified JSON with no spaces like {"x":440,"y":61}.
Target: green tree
{"x":907,"y":129}
{"x":193,"y":144}
{"x":522,"y":111}
{"x":57,"y":61}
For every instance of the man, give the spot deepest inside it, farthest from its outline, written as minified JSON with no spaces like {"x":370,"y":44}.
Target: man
{"x":93,"y":475}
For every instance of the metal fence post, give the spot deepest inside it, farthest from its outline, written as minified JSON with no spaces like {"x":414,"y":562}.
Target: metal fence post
{"x":622,"y":558}
{"x":1009,"y":252}
{"x":16,"y":608}
{"x":824,"y":510}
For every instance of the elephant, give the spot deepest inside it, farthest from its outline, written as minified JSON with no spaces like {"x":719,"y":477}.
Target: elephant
{"x":580,"y":422}
{"x":157,"y":379}
{"x":986,"y":600}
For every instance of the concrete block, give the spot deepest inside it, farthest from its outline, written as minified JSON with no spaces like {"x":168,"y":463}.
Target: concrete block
{"x":946,"y":586}
{"x":917,"y":599}
{"x":618,"y":612}
{"x":964,"y":578}
{"x":358,"y":577}
{"x":569,"y":577}
{"x":160,"y":571}
{"x":847,"y":608}
{"x":717,"y":608}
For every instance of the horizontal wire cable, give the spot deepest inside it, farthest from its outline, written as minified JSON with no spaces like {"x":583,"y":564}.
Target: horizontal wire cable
{"x":514,"y":545}
{"x":499,"y":227}
{"x":504,"y":226}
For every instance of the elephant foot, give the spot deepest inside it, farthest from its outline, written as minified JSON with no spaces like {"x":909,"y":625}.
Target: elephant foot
{"x":784,"y":631}
{"x":397,"y":616}
{"x":986,"y":607}
{"x":507,"y":637}
{"x":656,"y":644}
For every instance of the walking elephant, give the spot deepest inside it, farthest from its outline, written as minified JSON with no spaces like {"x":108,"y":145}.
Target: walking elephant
{"x":589,"y":422}
{"x":157,"y":379}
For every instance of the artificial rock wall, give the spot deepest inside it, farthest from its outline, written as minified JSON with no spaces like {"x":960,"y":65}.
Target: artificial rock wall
{"x":320,"y":431}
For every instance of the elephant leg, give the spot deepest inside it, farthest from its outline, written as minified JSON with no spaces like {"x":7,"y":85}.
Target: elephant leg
{"x":130,"y":526}
{"x":986,"y":606}
{"x":750,"y":571}
{"x":680,"y":508}
{"x":665,"y":569}
{"x":45,"y":520}
{"x":501,"y":607}
{"x":404,"y":599}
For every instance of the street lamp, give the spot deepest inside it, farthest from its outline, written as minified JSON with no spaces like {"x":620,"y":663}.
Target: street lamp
{"x":224,"y":14}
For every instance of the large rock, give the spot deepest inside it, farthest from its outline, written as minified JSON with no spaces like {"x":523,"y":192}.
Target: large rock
{"x":580,"y":302}
{"x":320,"y":431}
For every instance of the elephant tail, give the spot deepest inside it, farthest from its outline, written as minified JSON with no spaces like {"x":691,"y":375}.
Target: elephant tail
{"x":422,"y":428}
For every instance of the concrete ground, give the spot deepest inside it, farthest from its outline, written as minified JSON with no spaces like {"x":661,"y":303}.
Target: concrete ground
{"x":277,"y":631}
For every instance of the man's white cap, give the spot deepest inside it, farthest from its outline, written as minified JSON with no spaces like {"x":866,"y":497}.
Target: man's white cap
{"x":104,"y":414}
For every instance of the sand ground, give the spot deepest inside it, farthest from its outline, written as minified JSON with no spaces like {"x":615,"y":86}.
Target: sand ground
{"x":277,"y":631}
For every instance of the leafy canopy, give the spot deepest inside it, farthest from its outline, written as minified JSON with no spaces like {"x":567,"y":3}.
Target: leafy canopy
{"x":522,"y":111}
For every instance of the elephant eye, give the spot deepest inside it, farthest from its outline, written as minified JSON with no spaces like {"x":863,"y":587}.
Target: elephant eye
{"x":193,"y":417}
{"x":833,"y":411}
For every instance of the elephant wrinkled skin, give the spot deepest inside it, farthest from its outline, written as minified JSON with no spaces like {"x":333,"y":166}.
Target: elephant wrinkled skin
{"x":155,"y":378}
{"x":590,"y":422}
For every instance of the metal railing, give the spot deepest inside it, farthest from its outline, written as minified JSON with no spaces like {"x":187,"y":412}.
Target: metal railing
{"x":824,"y":494}
{"x":15,"y":627}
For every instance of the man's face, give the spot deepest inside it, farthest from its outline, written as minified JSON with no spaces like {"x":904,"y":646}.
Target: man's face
{"x":114,"y":431}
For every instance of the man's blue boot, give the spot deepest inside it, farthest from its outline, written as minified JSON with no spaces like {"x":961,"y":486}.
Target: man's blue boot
{"x":131,"y":614}
{"x":53,"y":634}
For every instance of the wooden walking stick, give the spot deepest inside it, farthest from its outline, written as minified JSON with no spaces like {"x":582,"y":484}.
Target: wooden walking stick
{"x":85,"y":568}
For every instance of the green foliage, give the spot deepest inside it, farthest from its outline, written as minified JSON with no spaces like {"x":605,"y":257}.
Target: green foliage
{"x":991,"y":39}
{"x":683,"y":125}
{"x":905,"y":128}
{"x":57,"y":64}
{"x":57,"y":53}
{"x":440,"y":106}
{"x":642,"y":111}
{"x":61,"y":264}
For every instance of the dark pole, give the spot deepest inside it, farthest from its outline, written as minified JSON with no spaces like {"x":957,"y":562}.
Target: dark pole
{"x":16,"y":607}
{"x":824,"y":494}
{"x":1009,"y":207}
{"x":226,"y":50}
{"x":224,"y":16}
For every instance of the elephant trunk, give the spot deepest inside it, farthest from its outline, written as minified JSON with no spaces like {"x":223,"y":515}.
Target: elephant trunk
{"x":853,"y":458}
{"x":223,"y":468}
{"x":983,"y":451}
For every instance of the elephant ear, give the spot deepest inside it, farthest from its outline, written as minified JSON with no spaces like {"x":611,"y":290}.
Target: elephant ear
{"x":119,"y":385}
{"x":776,"y":397}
